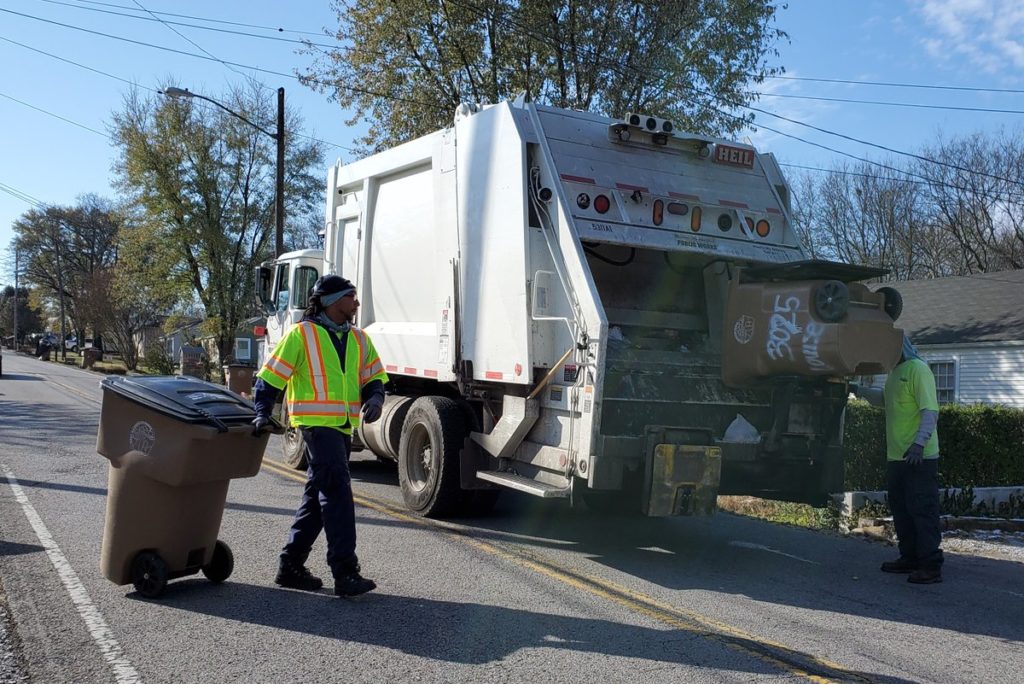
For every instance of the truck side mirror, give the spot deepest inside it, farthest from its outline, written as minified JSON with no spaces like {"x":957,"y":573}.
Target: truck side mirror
{"x":262,"y":283}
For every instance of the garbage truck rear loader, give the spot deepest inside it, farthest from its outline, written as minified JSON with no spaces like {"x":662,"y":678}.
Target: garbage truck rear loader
{"x":569,"y":304}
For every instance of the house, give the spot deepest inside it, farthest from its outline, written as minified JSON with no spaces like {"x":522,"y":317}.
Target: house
{"x":970,"y":330}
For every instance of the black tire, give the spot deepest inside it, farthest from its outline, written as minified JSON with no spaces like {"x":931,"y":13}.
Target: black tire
{"x":893,"y":302}
{"x":428,"y":457}
{"x":293,"y":447}
{"x":221,"y":565}
{"x":832,"y":301}
{"x":149,"y":574}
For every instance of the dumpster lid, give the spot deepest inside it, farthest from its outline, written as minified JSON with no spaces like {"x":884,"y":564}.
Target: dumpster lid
{"x":811,"y":270}
{"x":189,"y":400}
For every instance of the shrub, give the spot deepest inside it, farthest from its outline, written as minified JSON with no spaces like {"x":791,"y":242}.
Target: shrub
{"x":981,"y":446}
{"x":158,"y":360}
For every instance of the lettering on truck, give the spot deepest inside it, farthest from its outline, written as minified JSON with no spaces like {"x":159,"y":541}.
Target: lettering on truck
{"x":734,"y":156}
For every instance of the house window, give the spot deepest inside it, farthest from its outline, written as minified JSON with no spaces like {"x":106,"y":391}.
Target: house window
{"x":945,"y":380}
{"x":243,"y":349}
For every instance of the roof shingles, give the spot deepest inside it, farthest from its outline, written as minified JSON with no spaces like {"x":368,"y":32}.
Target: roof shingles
{"x":987,"y":307}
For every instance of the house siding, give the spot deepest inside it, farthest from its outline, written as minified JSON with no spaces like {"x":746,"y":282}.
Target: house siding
{"x":984,"y":374}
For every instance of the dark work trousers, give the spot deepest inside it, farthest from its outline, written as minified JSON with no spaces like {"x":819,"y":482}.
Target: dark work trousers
{"x":326,"y":502}
{"x":914,"y":502}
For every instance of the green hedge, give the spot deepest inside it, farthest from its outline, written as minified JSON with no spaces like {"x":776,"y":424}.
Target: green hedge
{"x":981,"y":446}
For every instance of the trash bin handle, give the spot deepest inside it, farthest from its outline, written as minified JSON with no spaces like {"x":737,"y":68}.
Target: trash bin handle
{"x":217,"y":422}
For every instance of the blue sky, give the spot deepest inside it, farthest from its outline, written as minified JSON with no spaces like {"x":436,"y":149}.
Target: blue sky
{"x":971,"y":43}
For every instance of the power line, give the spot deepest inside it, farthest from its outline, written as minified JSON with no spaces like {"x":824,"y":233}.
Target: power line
{"x":838,"y":172}
{"x":23,"y":196}
{"x":189,"y":40}
{"x":56,"y":116}
{"x":77,"y":64}
{"x":897,"y":85}
{"x":152,"y":90}
{"x":187,"y":16}
{"x":207,"y":28}
{"x":327,"y":84}
{"x":889,"y":104}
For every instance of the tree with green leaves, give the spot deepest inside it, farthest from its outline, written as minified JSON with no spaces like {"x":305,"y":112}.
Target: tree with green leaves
{"x":405,"y":65}
{"x":204,"y":182}
{"x":62,"y":249}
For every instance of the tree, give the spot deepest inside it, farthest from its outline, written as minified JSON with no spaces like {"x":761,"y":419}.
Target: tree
{"x":407,"y":64}
{"x":28,"y":317}
{"x":63,"y":248}
{"x":203,"y":181}
{"x":977,"y":191}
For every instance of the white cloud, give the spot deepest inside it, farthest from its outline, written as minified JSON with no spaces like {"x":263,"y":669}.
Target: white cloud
{"x":987,"y":33}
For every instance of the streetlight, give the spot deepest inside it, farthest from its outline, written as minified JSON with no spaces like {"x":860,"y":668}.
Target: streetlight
{"x":279,"y":137}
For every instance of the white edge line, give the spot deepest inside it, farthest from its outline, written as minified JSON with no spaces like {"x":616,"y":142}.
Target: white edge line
{"x":94,"y":622}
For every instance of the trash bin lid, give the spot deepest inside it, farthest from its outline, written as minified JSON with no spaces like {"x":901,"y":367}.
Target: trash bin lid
{"x":189,"y":400}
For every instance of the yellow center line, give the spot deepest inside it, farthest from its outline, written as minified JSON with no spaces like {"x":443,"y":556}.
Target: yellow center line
{"x":772,"y":652}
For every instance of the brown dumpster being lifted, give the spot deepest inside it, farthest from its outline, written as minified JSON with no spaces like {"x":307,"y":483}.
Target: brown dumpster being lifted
{"x":174,"y":443}
{"x":807,"y":319}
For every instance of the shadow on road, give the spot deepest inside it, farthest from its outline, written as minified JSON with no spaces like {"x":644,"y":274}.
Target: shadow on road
{"x":22,"y":423}
{"x":464,"y":633}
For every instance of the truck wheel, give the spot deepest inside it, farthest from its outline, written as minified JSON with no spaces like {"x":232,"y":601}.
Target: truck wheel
{"x":293,"y":447}
{"x":428,"y":457}
{"x":149,"y":574}
{"x":893,"y":302}
{"x":831,"y":301}
{"x":221,"y":564}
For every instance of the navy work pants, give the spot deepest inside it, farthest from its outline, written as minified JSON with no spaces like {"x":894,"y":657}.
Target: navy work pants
{"x":914,"y":502}
{"x":326,"y":502}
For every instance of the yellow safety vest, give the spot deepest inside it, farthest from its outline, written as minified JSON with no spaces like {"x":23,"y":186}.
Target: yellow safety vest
{"x":319,"y":393}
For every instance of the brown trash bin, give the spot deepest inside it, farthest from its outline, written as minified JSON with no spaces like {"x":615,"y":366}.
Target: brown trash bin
{"x":238,"y":377}
{"x":173,"y":444}
{"x":817,"y":327}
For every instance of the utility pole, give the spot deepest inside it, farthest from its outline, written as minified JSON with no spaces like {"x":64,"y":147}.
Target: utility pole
{"x":60,"y":286}
{"x":279,"y":199}
{"x":17,"y":268}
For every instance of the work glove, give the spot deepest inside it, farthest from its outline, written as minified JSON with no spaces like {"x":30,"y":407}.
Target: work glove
{"x":914,"y":455}
{"x":372,"y":408}
{"x":259,"y":425}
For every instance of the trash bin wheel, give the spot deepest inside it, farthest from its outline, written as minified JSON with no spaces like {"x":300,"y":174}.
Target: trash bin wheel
{"x":831,"y":301}
{"x":149,"y":574}
{"x":893,"y":302}
{"x":220,"y":566}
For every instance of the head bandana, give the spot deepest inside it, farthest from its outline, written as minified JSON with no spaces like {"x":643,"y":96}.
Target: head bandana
{"x":909,"y":350}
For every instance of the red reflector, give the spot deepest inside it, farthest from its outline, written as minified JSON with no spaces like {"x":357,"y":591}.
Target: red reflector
{"x":763,"y":228}
{"x":602,"y":204}
{"x":259,"y":331}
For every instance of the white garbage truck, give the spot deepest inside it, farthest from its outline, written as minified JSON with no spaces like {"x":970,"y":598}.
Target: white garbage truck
{"x":608,"y":310}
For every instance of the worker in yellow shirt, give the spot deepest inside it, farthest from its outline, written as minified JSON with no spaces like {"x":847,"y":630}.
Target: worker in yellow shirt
{"x":333,"y":378}
{"x":912,"y":445}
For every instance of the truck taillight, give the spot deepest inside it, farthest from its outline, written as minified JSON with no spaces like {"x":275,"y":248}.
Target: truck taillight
{"x":695,"y":217}
{"x":750,"y":223}
{"x":602,"y":204}
{"x":763,"y":228}
{"x":659,"y":212}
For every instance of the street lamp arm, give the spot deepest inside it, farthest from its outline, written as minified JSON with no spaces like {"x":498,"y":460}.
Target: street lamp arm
{"x":180,"y":92}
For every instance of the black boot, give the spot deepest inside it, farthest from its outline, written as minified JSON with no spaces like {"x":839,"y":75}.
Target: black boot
{"x":348,"y":581}
{"x":900,"y":565}
{"x":297,"y":576}
{"x":929,"y":575}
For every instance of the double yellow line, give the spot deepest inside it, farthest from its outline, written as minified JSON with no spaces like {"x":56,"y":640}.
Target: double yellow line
{"x":778,"y":655}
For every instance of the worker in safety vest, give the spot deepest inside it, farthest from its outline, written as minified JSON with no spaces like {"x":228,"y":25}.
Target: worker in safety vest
{"x":332,"y":374}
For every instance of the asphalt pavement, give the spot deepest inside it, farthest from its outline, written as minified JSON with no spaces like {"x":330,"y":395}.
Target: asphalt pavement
{"x":537,"y":591}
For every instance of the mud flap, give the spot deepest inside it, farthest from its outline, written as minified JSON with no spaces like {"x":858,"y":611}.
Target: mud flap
{"x":681,"y":479}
